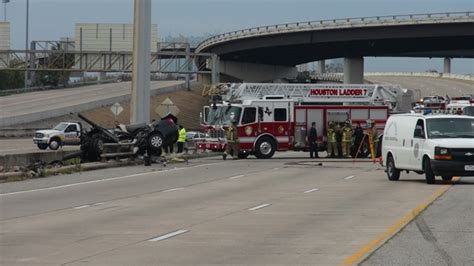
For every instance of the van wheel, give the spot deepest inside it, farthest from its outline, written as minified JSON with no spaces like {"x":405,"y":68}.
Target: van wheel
{"x":447,"y":177}
{"x":54,"y":144}
{"x":429,"y":176}
{"x":265,"y":148}
{"x":393,"y":173}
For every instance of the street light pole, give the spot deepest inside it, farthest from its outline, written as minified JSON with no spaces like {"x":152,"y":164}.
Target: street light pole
{"x":26,"y":42}
{"x":5,"y":9}
{"x":140,"y":104}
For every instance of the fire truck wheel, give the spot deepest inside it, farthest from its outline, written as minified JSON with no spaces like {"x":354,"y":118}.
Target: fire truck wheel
{"x":265,"y":148}
{"x":243,"y":155}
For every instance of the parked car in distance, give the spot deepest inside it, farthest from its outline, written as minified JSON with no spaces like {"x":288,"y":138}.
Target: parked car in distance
{"x":64,"y":133}
{"x":193,"y":135}
{"x":434,"y":145}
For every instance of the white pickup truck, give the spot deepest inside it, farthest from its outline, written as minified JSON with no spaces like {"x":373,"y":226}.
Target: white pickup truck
{"x":65,"y":133}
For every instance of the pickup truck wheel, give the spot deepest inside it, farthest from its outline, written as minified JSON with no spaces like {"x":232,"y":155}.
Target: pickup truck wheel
{"x":155,"y":142}
{"x":393,"y":173}
{"x":430,"y":177}
{"x":95,"y":149}
{"x":447,"y":177}
{"x":54,"y":144}
{"x":42,"y":146}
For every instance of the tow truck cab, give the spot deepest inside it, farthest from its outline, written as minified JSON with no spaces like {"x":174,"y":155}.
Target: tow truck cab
{"x":64,"y":133}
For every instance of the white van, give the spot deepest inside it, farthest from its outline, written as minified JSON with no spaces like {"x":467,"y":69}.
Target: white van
{"x":434,"y":145}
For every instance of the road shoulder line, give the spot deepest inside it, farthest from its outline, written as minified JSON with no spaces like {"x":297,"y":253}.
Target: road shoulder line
{"x":364,"y":252}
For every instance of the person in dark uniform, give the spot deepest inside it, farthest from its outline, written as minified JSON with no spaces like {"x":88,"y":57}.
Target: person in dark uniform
{"x":358,"y":137}
{"x":312,"y":139}
{"x":338,"y":130}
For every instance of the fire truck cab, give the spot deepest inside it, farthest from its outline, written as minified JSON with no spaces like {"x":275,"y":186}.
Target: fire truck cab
{"x":277,"y":117}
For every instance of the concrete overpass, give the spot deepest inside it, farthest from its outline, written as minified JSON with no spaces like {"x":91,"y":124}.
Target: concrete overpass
{"x":272,"y":52}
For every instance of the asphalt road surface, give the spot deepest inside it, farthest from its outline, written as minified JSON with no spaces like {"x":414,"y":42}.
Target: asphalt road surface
{"x":426,"y":86}
{"x":33,"y":102}
{"x":442,"y":235}
{"x":284,"y":211}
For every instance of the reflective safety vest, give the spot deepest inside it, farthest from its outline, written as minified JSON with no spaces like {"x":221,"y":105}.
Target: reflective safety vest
{"x":232,"y":136}
{"x":374,"y":134}
{"x":182,"y":135}
{"x":331,"y":135}
{"x":346,"y":134}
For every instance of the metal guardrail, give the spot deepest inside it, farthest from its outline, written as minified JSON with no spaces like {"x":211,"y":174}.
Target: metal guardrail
{"x":338,"y":23}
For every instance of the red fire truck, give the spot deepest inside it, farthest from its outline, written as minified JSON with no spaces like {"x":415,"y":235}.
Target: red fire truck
{"x":276,"y":117}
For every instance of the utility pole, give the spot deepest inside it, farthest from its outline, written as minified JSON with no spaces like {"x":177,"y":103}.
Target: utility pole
{"x":26,"y":43}
{"x":140,"y":104}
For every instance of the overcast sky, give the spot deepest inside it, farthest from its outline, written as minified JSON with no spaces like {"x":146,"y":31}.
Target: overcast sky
{"x":52,"y":19}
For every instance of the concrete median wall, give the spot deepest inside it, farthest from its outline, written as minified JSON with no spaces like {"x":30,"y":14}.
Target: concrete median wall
{"x":11,"y":160}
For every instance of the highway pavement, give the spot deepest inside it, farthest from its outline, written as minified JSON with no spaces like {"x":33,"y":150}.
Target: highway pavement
{"x":442,"y":235}
{"x":284,"y":211}
{"x":51,"y":100}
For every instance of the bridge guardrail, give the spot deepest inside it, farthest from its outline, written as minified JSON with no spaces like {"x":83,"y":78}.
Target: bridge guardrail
{"x":337,"y":23}
{"x":340,"y":76}
{"x":423,"y":74}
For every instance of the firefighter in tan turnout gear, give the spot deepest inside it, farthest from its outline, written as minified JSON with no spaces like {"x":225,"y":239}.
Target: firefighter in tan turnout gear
{"x":373,"y":134}
{"x":346,"y":139}
{"x":332,"y":142}
{"x":232,"y":146}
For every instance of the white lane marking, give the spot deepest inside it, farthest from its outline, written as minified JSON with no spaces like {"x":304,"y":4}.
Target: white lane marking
{"x":173,"y":189}
{"x":172,"y":234}
{"x":237,"y":176}
{"x":81,"y":207}
{"x":349,"y":177}
{"x":277,"y":168}
{"x":99,"y":203}
{"x":311,"y":190}
{"x":104,"y":180}
{"x":259,"y":207}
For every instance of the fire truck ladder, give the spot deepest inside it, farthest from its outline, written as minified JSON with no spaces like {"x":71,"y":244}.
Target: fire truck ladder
{"x":374,"y":94}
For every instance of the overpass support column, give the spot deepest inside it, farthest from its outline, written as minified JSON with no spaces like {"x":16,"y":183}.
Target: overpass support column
{"x":447,"y":65}
{"x":321,"y":69}
{"x":215,"y":75}
{"x":188,"y":62}
{"x":354,"y":70}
